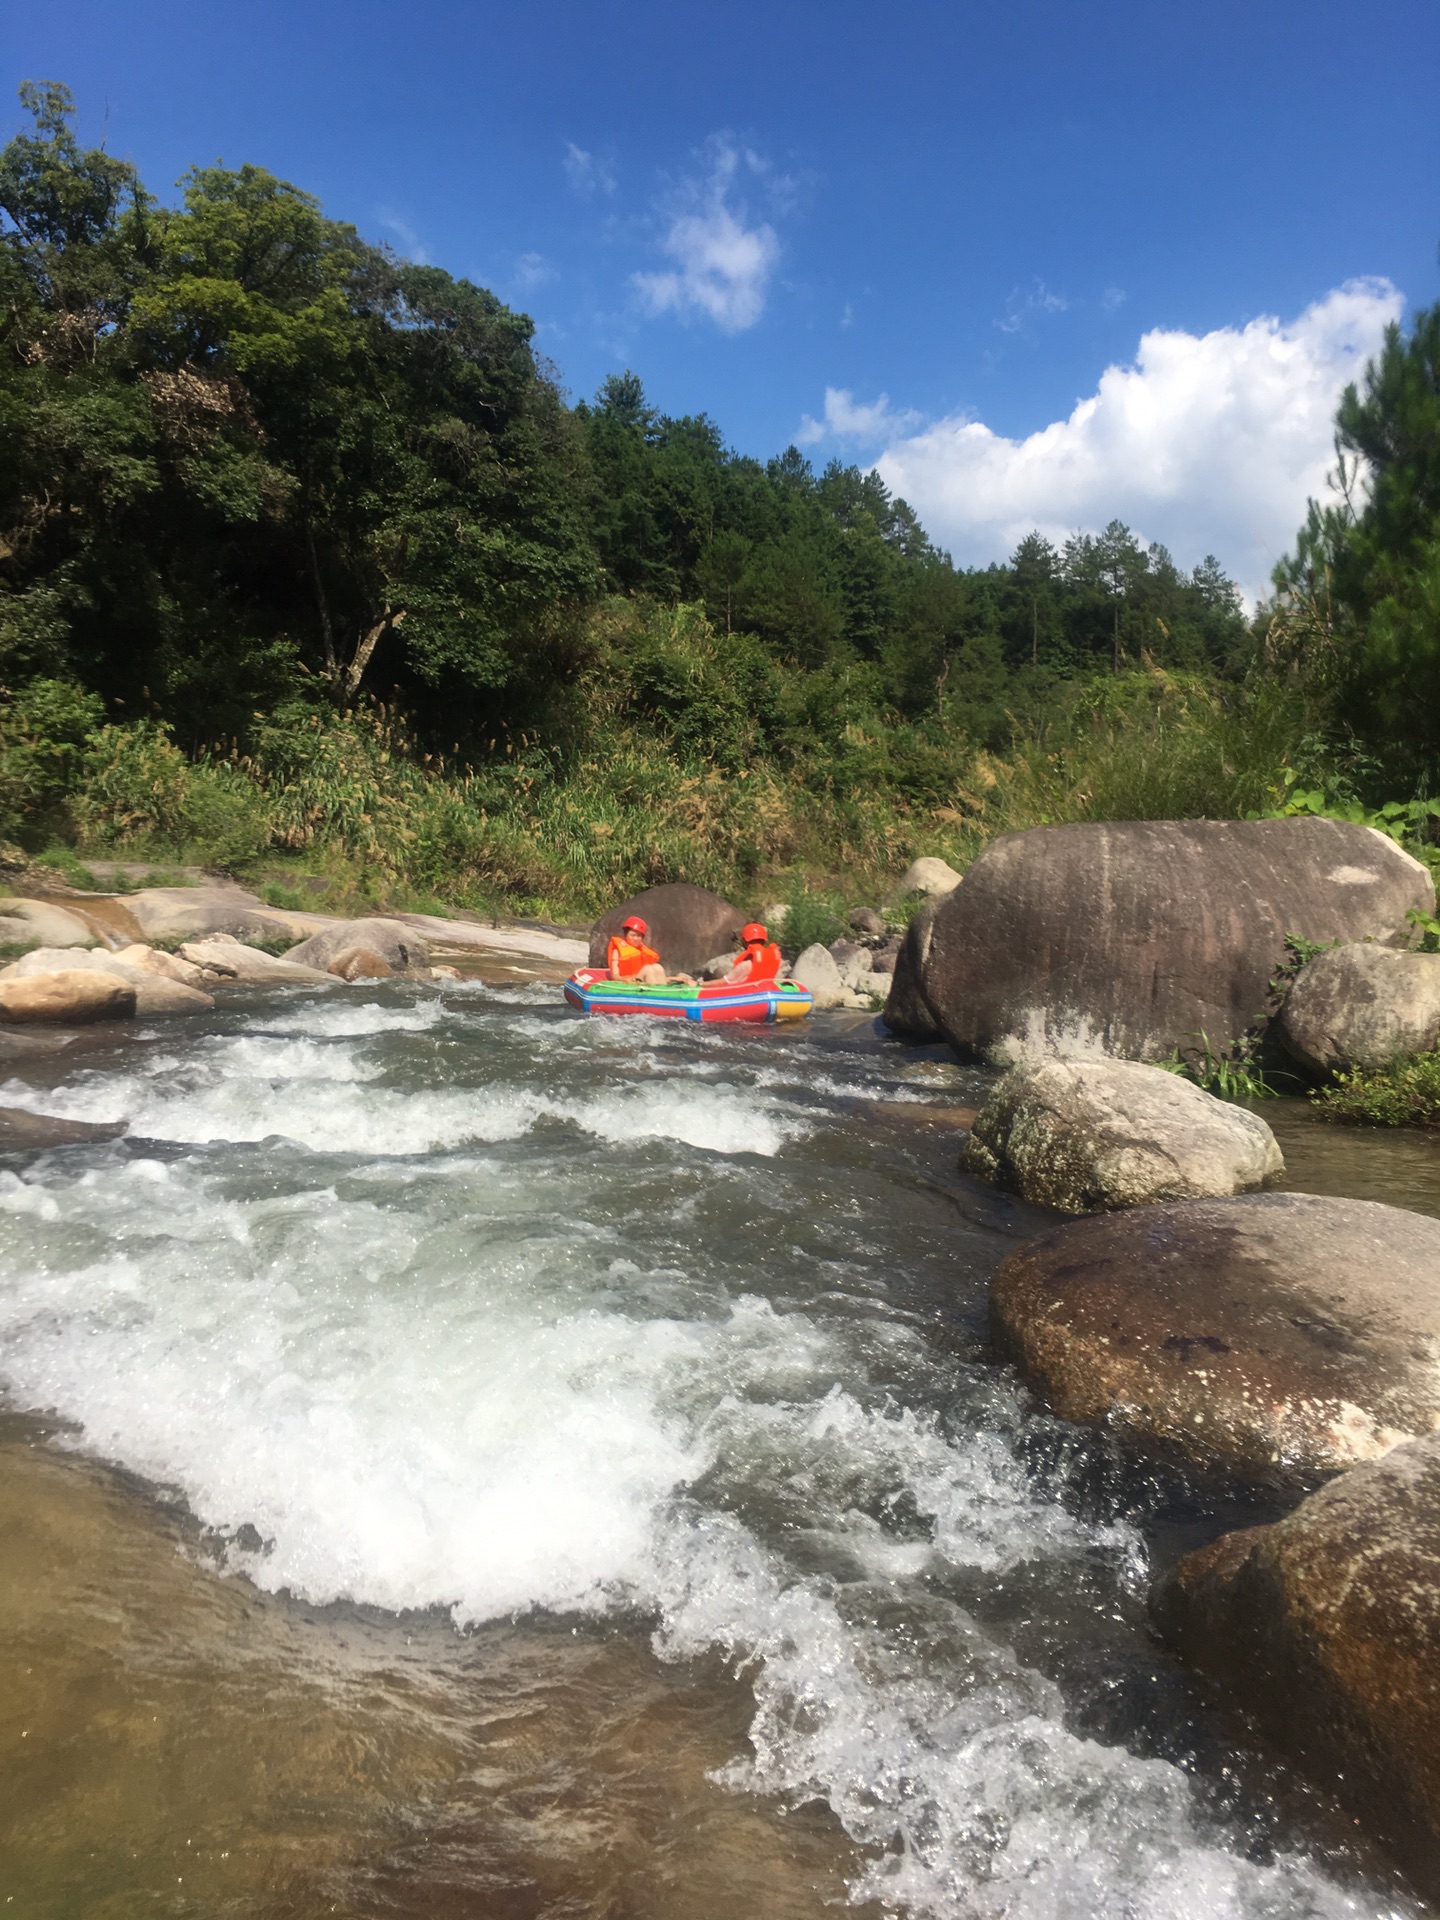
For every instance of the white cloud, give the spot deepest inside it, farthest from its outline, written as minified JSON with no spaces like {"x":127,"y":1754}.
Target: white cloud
{"x":723,"y":264}
{"x":849,"y":419}
{"x":1022,"y":308}
{"x":533,"y":270}
{"x":1210,"y":443}
{"x":588,"y":173}
{"x":410,"y":242}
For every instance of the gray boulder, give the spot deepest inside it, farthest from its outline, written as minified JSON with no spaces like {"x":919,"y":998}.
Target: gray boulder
{"x":865,"y":920}
{"x":1277,"y":1336}
{"x":908,"y":1011}
{"x":193,"y":913}
{"x":1083,"y":1135}
{"x":816,"y":969}
{"x":1135,"y":938}
{"x":52,"y":926}
{"x":399,"y":946}
{"x":688,"y":925}
{"x":1327,"y":1627}
{"x":926,"y":875}
{"x":1362,"y":1005}
{"x":227,"y":959}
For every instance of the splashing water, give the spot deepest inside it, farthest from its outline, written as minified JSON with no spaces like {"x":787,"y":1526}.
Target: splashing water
{"x":476,"y":1305}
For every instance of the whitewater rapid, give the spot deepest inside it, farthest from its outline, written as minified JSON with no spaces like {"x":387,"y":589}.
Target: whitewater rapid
{"x":469,"y":1303}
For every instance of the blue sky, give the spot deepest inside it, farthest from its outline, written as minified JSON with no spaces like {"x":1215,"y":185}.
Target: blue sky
{"x":973,"y":211}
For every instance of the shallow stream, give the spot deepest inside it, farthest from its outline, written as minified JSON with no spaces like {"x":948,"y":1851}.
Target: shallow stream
{"x":466,"y":1459}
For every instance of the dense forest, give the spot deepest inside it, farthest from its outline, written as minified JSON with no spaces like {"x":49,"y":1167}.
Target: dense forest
{"x":303,"y":547}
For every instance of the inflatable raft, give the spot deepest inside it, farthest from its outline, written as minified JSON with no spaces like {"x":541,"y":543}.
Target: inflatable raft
{"x":592,"y":992}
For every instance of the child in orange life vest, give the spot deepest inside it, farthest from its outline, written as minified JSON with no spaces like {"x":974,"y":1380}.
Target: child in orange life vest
{"x":760,"y":961}
{"x":628,"y":958}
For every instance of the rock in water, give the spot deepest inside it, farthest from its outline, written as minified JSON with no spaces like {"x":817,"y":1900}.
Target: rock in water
{"x":816,"y":969}
{"x":1134,"y":938}
{"x":361,"y":963}
{"x":25,"y":1132}
{"x":688,"y":926}
{"x":156,"y":990}
{"x":1327,"y":1626}
{"x":1362,"y":1005}
{"x":231,"y":959}
{"x":399,"y":946}
{"x":1086,"y":1134}
{"x":71,"y":996}
{"x":926,"y":875}
{"x":193,"y":913}
{"x":907,"y":1011}
{"x":1278,"y":1336}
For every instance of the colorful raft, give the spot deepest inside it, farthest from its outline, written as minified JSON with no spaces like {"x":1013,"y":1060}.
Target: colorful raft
{"x":593,"y":992}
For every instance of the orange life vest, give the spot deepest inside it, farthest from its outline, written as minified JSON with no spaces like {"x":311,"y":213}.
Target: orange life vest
{"x":631,"y":955}
{"x":761,"y":963}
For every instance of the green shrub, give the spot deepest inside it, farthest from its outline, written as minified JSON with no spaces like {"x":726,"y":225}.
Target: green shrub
{"x":43,"y":732}
{"x":1406,"y":1094}
{"x":811,"y":919}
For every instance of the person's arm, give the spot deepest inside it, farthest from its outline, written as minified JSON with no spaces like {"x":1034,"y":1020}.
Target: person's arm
{"x":739,"y":973}
{"x":613,"y":958}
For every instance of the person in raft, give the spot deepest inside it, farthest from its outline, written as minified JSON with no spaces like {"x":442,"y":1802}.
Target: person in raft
{"x":628,"y":957}
{"x":759,"y":963}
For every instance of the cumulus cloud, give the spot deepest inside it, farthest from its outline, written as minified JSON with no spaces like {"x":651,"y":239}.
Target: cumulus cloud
{"x":1209,"y":443}
{"x":588,"y":173}
{"x":849,"y":419}
{"x":723,"y":262}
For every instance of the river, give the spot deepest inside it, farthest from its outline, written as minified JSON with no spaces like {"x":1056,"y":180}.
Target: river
{"x":461,"y":1458}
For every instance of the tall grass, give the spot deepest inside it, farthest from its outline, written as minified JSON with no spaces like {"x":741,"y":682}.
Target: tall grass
{"x":672,"y":775}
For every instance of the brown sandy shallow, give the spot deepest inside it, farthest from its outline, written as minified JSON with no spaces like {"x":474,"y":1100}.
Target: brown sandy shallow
{"x":178,"y":1742}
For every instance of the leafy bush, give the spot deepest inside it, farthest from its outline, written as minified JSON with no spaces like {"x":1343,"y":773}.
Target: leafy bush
{"x":43,"y":732}
{"x":1404,"y":1095}
{"x":811,"y":919}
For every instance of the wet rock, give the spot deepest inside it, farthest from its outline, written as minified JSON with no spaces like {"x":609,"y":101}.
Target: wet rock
{"x":1088,"y":1134}
{"x":156,"y":991}
{"x":72,"y":997}
{"x":687,"y":925}
{"x":402,"y":949}
{"x":927,"y":875}
{"x":22,"y":1132}
{"x":361,"y":963}
{"x":867,"y":920}
{"x":1277,"y":1336}
{"x":1362,"y":1005}
{"x":1327,"y":1628}
{"x":227,"y":959}
{"x":168,"y":965}
{"x":50,"y":925}
{"x":1135,"y":938}
{"x":446,"y":973}
{"x":907,"y":1010}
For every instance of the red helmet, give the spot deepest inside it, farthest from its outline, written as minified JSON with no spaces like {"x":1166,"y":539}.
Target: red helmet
{"x":634,"y":925}
{"x":754,"y":932}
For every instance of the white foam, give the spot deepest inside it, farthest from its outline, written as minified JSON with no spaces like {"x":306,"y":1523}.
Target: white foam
{"x":449,"y":1384}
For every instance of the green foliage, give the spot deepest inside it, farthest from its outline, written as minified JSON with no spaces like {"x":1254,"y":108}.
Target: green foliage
{"x":1406,"y":1094}
{"x":812,"y":919}
{"x":1428,"y":927}
{"x":1233,"y":1075}
{"x":1409,"y":822}
{"x":43,"y":732}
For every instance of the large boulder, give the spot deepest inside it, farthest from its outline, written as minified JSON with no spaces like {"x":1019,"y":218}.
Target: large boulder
{"x":52,"y":926}
{"x":225,"y":959}
{"x":1275,"y":1336}
{"x":70,"y":996}
{"x":816,"y":970}
{"x":25,"y":1132}
{"x":155,"y":991}
{"x":399,"y":946}
{"x":688,"y":925}
{"x":1137,"y":938}
{"x":1327,"y":1627}
{"x":908,"y":1012}
{"x":192,"y":913}
{"x":1362,"y":1005}
{"x":1087,"y":1134}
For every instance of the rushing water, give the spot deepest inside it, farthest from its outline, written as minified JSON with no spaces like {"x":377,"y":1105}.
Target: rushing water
{"x":554,"y":1467}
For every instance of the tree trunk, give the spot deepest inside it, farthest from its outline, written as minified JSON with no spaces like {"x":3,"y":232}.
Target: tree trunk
{"x":327,"y":632}
{"x":365,"y":647}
